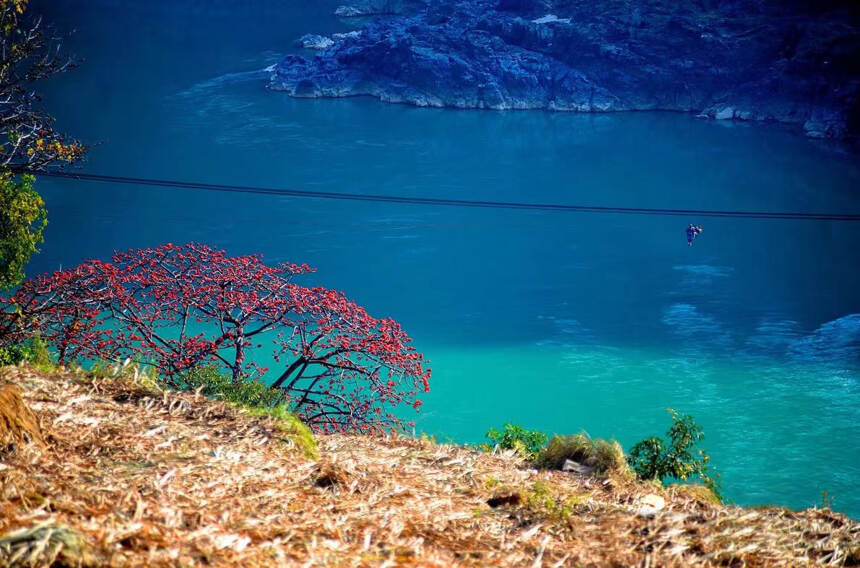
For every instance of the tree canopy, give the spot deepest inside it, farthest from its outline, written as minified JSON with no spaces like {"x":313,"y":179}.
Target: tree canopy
{"x":28,"y":141}
{"x":22,"y":219}
{"x":184,"y":307}
{"x":29,"y":54}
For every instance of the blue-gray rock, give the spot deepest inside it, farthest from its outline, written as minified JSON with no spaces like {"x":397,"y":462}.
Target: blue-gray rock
{"x":571,"y":466}
{"x":314,"y":41}
{"x":728,"y":60}
{"x":348,"y":12}
{"x":365,"y":8}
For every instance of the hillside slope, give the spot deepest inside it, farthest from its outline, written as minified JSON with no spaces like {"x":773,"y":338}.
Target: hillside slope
{"x":132,"y":476}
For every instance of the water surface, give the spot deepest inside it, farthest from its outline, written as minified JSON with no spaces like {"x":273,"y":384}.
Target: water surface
{"x":557,"y":321}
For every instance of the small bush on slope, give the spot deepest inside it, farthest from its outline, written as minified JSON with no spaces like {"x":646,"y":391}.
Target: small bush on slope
{"x":33,"y":351}
{"x":214,"y":384}
{"x":12,"y":355}
{"x":526,"y":443}
{"x":675,"y":458}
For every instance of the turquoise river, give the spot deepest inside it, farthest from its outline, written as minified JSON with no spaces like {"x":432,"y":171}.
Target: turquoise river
{"x":558,"y":321}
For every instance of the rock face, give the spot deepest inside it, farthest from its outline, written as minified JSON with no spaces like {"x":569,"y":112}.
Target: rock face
{"x":733,"y":59}
{"x":650,"y":505}
{"x":314,"y":41}
{"x":571,"y":466}
{"x":365,"y":8}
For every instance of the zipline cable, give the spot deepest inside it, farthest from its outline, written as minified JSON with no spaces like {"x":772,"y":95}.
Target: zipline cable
{"x":436,"y":201}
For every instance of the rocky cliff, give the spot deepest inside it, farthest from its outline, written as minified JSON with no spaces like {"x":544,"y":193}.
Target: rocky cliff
{"x":738,"y":59}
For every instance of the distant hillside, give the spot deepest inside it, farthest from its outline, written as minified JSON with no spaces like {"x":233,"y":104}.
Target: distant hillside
{"x":119,"y":473}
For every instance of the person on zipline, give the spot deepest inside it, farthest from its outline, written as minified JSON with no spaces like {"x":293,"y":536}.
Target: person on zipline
{"x":693,"y":232}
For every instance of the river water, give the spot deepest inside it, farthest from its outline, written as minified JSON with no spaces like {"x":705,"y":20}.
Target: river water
{"x":558,"y":321}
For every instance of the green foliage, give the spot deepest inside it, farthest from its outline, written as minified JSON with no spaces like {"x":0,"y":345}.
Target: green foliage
{"x":38,"y":353}
{"x":28,"y":141}
{"x":213,"y":384}
{"x":603,"y":455}
{"x":527,"y":443}
{"x":12,"y":355}
{"x":646,"y":458}
{"x":33,"y":351}
{"x":22,"y":220}
{"x":675,"y":457}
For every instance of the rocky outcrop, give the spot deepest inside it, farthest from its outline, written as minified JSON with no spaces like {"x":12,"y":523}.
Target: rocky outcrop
{"x":314,"y":41}
{"x":733,"y":60}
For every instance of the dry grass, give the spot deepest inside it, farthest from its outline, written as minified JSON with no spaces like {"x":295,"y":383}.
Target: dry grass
{"x":44,"y":545}
{"x":694,"y":491}
{"x":147,"y":478}
{"x":18,"y":425}
{"x":605,"y":456}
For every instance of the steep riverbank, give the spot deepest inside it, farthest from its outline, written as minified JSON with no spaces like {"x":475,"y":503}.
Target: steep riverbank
{"x":739,"y":60}
{"x":123,"y":474}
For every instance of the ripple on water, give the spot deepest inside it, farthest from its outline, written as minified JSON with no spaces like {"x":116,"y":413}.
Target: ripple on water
{"x":773,"y":335}
{"x":836,"y":342}
{"x":696,"y":330}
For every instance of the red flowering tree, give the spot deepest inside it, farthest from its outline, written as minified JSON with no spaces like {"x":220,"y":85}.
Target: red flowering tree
{"x":180,"y":307}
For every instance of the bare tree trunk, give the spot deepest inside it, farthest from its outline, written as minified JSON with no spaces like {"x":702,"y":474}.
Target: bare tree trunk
{"x":240,"y":358}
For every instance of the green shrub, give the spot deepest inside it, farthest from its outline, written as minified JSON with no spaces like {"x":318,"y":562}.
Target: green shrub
{"x":33,"y":351}
{"x":214,"y":384}
{"x":12,"y":355}
{"x":22,"y":220}
{"x":603,"y":455}
{"x":675,"y":457}
{"x":38,"y":354}
{"x":526,"y":443}
{"x":646,"y":458}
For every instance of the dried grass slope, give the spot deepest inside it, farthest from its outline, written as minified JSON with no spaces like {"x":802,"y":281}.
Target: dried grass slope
{"x":132,"y":476}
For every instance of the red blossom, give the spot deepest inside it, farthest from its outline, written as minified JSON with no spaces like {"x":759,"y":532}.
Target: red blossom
{"x":177,"y":307}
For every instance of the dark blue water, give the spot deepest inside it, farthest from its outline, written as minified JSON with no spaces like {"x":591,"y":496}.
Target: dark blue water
{"x":557,"y":321}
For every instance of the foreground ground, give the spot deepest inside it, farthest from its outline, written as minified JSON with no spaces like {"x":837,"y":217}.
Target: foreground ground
{"x":126,"y":475}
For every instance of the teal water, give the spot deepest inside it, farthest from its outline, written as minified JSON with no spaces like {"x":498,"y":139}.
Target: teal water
{"x":557,"y":321}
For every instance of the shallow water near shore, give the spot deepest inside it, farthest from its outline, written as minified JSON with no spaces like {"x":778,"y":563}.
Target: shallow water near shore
{"x":557,"y":321}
